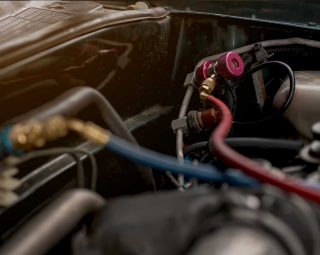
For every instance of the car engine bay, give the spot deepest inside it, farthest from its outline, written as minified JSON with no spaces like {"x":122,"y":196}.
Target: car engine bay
{"x":142,"y":129}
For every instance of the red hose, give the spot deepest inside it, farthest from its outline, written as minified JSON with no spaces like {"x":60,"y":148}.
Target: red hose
{"x":236,"y":160}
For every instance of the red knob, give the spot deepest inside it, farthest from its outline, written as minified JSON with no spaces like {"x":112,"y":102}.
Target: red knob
{"x":230,"y":66}
{"x":204,"y":71}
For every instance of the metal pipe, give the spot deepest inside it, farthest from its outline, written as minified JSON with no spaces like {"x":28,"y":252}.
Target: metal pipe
{"x":179,"y":137}
{"x":53,"y":223}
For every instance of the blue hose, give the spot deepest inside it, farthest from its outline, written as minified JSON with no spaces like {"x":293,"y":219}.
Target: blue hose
{"x":153,"y":159}
{"x":163,"y":162}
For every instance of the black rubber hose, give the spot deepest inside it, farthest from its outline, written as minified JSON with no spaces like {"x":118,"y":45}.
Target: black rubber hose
{"x":265,"y":143}
{"x":73,"y":101}
{"x":289,"y":98}
{"x":196,"y":146}
{"x":293,"y":146}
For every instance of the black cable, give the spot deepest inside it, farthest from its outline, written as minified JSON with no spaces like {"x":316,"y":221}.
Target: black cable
{"x":265,"y":143}
{"x":254,"y":143}
{"x":290,"y":96}
{"x":196,"y":146}
{"x":204,"y":157}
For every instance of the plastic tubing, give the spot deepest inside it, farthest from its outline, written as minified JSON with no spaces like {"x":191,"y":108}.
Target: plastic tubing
{"x":236,"y":160}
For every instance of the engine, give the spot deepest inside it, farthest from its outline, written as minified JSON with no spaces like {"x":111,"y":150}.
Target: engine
{"x":141,"y":129}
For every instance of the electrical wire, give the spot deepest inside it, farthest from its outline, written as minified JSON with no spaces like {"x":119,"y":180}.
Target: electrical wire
{"x":289,"y":98}
{"x":73,"y":101}
{"x":235,"y":160}
{"x":64,"y":150}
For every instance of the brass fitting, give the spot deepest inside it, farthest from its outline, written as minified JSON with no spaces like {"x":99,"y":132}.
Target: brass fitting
{"x":207,"y":87}
{"x":35,"y":134}
{"x":89,"y":131}
{"x":203,"y":97}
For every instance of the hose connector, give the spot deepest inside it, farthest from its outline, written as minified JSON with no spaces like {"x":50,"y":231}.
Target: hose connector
{"x":207,"y":87}
{"x":89,"y":131}
{"x":203,"y":120}
{"x":228,"y":66}
{"x":196,"y":122}
{"x":36,"y":134}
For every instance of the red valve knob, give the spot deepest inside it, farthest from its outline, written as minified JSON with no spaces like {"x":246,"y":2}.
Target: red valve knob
{"x":230,"y":66}
{"x":204,"y":71}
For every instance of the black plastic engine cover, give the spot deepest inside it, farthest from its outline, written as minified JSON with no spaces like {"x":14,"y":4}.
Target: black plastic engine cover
{"x":175,"y":223}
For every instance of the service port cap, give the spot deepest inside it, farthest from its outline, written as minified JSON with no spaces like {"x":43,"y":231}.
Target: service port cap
{"x":204,"y":71}
{"x":230,"y":65}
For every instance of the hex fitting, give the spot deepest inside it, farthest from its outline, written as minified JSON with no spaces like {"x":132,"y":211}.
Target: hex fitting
{"x":207,"y":87}
{"x":199,"y":121}
{"x":35,"y":134}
